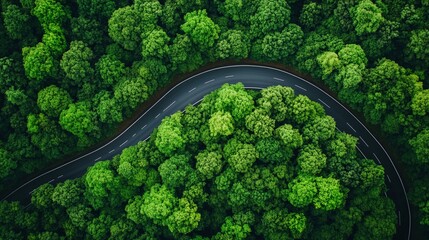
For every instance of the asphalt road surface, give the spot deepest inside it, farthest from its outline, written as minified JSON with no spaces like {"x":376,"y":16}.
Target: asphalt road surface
{"x":193,"y":89}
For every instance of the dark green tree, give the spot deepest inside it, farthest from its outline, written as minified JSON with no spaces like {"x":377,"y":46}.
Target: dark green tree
{"x":16,"y":22}
{"x":76,"y":62}
{"x":271,"y":16}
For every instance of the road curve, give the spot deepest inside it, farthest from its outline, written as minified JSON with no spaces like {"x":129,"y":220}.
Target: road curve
{"x":193,"y":89}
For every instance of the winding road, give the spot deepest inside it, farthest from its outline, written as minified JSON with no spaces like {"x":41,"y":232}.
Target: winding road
{"x":193,"y":89}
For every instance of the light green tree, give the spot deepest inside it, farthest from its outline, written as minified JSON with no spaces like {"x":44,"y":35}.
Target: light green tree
{"x":311,"y":160}
{"x":209,"y":164}
{"x":185,"y":217}
{"x":169,"y":137}
{"x":221,"y":124}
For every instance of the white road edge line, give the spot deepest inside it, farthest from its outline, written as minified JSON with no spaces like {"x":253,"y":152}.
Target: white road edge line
{"x":279,"y":79}
{"x":385,"y":194}
{"x":351,"y":127}
{"x":229,"y":76}
{"x":376,"y":158}
{"x":31,"y":191}
{"x":169,"y":106}
{"x":209,"y":81}
{"x":364,"y":141}
{"x":388,"y":178}
{"x":361,"y":152}
{"x":97,"y":159}
{"x":300,"y":87}
{"x":123,"y":143}
{"x":320,"y":100}
{"x":192,"y":89}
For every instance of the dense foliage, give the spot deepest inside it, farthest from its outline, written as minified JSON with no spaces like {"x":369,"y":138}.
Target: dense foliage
{"x":94,"y":61}
{"x":249,"y":173}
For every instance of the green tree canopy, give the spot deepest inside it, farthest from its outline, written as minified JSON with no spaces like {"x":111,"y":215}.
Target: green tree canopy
{"x":221,"y":124}
{"x":81,"y":121}
{"x":175,"y":171}
{"x":76,"y":62}
{"x":159,"y":204}
{"x":367,"y":17}
{"x":420,"y":146}
{"x":38,"y":62}
{"x":311,"y":160}
{"x":16,"y":22}
{"x":49,"y":12}
{"x":125,"y":27}
{"x":169,"y":136}
{"x":111,"y":69}
{"x":271,"y":16}
{"x":233,"y":44}
{"x":209,"y":164}
{"x":201,"y":29}
{"x":53,"y":100}
{"x":7,"y":164}
{"x":155,"y":44}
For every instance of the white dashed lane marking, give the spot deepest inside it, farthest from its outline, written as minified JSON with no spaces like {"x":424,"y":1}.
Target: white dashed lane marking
{"x":169,"y":106}
{"x":366,"y":144}
{"x":157,"y":116}
{"x":348,"y":124}
{"x":123,"y":143}
{"x":51,"y":180}
{"x":192,"y":89}
{"x":300,"y":87}
{"x":229,"y":76}
{"x":279,"y":79}
{"x":376,"y":158}
{"x":388,"y":178}
{"x":361,"y":152}
{"x":320,"y":100}
{"x":60,"y":176}
{"x":112,"y":151}
{"x":97,"y":159}
{"x":209,"y":81}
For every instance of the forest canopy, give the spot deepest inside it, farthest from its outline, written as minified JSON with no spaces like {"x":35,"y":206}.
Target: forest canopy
{"x":71,"y":71}
{"x":222,"y":171}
